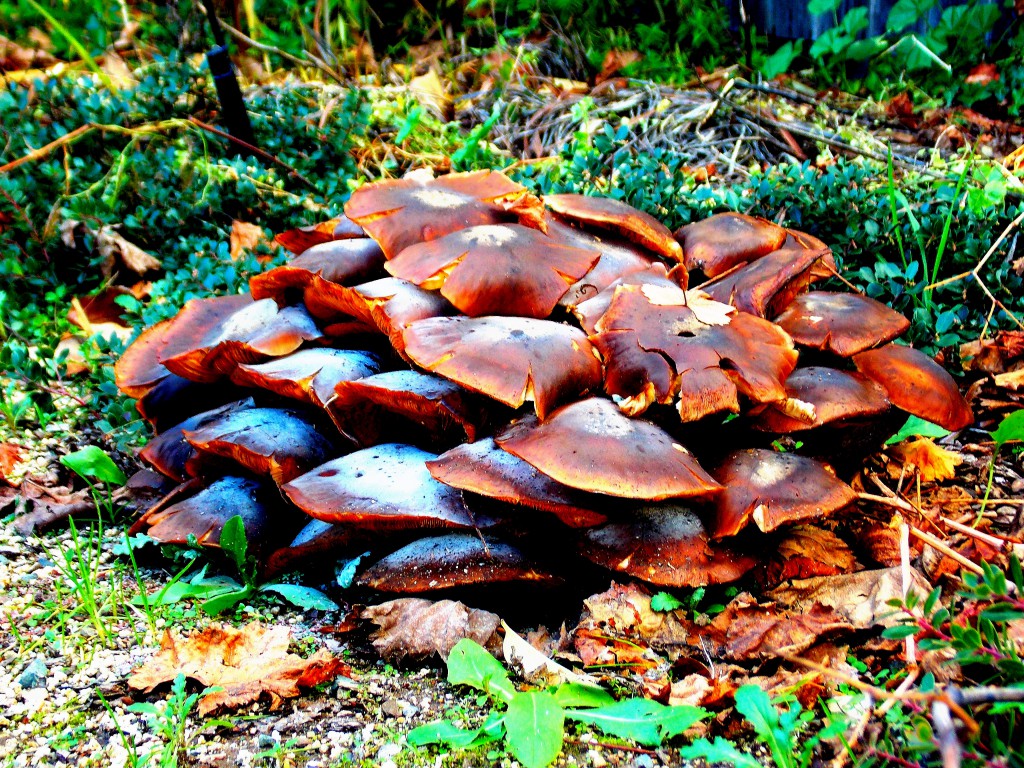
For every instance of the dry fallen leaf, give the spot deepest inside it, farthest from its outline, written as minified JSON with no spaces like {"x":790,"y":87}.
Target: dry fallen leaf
{"x":933,"y":461}
{"x":614,"y":61}
{"x":16,"y":57}
{"x":807,"y":550}
{"x":533,"y":665}
{"x":245,"y":663}
{"x":860,"y":598}
{"x":245,"y":235}
{"x":415,"y":628}
{"x":115,"y":251}
{"x":10,"y":457}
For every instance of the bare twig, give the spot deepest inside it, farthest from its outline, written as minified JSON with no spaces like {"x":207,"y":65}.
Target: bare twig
{"x":254,"y":149}
{"x":38,"y":154}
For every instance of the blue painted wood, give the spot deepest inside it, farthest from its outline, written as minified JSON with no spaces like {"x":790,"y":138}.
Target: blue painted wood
{"x":790,"y":19}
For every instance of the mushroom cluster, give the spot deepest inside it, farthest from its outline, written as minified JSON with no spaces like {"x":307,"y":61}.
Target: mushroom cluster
{"x":480,"y":386}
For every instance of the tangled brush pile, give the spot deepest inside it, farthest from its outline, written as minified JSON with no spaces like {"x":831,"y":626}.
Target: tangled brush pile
{"x":480,"y":386}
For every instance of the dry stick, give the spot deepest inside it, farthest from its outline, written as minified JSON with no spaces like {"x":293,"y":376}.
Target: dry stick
{"x":910,"y":648}
{"x":38,"y":154}
{"x":254,"y":149}
{"x":606,"y":745}
{"x":903,"y":687}
{"x":974,"y":273}
{"x":992,"y":541}
{"x":945,"y":735}
{"x":946,"y":550}
{"x":900,"y":504}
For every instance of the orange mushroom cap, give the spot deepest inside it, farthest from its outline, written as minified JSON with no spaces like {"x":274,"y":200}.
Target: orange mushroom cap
{"x":491,"y":269}
{"x":774,"y":488}
{"x":309,"y":374}
{"x":452,"y":560}
{"x":657,"y":342}
{"x":842,"y":323}
{"x":511,"y":359}
{"x":916,"y":384}
{"x":139,"y":369}
{"x":386,"y":487}
{"x":592,"y":446}
{"x":717,"y":244}
{"x":275,"y":442}
{"x":398,"y":213}
{"x":342,"y":261}
{"x":435,"y":403}
{"x":592,"y":308}
{"x":210,"y":337}
{"x":765,"y":286}
{"x":485,"y":469}
{"x":303,"y":238}
{"x":174,"y":519}
{"x":664,"y":544}
{"x":169,"y":452}
{"x":621,"y":218}
{"x":817,"y":395}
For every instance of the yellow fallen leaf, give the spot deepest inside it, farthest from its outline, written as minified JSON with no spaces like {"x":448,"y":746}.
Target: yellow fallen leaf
{"x":245,"y":235}
{"x":933,"y":461}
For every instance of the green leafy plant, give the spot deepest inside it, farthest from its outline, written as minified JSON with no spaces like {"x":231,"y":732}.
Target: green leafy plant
{"x":1010,"y":429}
{"x":169,"y":721}
{"x":220,"y":593}
{"x":533,"y":722}
{"x":781,"y":725}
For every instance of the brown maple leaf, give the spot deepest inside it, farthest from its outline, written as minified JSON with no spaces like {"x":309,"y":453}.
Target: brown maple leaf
{"x":244,"y":663}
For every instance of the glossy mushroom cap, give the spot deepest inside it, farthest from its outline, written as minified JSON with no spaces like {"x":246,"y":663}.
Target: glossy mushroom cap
{"x":717,"y":244}
{"x":768,"y":284}
{"x":401,"y":212}
{"x":774,"y":488}
{"x":484,"y":469}
{"x":303,"y":238}
{"x":274,"y":442}
{"x":658,"y":343}
{"x":592,"y":446}
{"x":453,"y":560}
{"x":816,"y":396}
{"x":511,"y":359}
{"x":386,"y":487}
{"x":345,"y":262}
{"x":169,"y":452}
{"x":916,"y":384}
{"x":841,"y":323}
{"x":310,"y":375}
{"x":664,"y":544}
{"x":621,"y":218}
{"x":504,"y":269}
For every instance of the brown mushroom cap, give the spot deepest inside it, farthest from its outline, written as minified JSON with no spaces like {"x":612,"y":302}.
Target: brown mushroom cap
{"x":453,"y":560}
{"x":511,"y":359}
{"x":485,"y":469}
{"x":592,"y":446}
{"x":657,"y":342}
{"x":667,"y":545}
{"x":389,"y":304}
{"x":309,"y":374}
{"x":842,"y":323}
{"x":203,"y":515}
{"x":437,"y":404}
{"x":398,"y":213}
{"x":774,"y":488}
{"x":617,"y":259}
{"x":491,"y":269}
{"x":717,"y":244}
{"x":341,"y":261}
{"x":210,"y":337}
{"x":267,"y":441}
{"x":592,"y":308}
{"x":169,"y":452}
{"x":303,"y":238}
{"x":765,"y":286}
{"x":916,"y":384}
{"x":139,"y":369}
{"x":825,"y":267}
{"x":624,"y":219}
{"x":817,"y":395}
{"x":386,"y":487}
